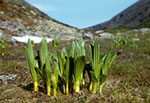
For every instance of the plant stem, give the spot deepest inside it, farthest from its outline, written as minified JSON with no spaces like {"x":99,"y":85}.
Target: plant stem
{"x":54,"y":91}
{"x":100,"y":88}
{"x":95,"y":88}
{"x":83,"y":82}
{"x":48,"y":90}
{"x":35,"y":86}
{"x":2,"y":54}
{"x":91,"y":84}
{"x":64,"y":90}
{"x":67,"y":89}
{"x":77,"y":86}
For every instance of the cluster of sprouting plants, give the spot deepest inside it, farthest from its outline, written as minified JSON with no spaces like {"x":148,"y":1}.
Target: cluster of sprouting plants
{"x":2,"y":46}
{"x":69,"y":67}
{"x":123,"y":42}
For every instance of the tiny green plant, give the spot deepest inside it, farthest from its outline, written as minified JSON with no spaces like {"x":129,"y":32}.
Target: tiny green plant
{"x":32,"y":42}
{"x":55,"y":42}
{"x":3,"y":46}
{"x":121,"y":42}
{"x":117,"y":41}
{"x":124,"y":42}
{"x":131,"y":40}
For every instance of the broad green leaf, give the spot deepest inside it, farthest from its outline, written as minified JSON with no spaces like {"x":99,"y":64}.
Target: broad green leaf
{"x":61,"y":64}
{"x":79,"y":67}
{"x":67,"y":70}
{"x":30,"y":59}
{"x":54,"y":81}
{"x":93,"y":77}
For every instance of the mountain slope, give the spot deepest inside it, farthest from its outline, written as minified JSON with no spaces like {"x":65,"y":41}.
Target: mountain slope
{"x":137,"y":15}
{"x":17,"y":17}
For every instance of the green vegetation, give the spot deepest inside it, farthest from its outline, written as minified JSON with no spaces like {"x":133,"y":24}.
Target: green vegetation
{"x":109,"y":58}
{"x":117,"y":41}
{"x":77,"y":53}
{"x":99,"y":66}
{"x":3,"y":46}
{"x":123,"y":42}
{"x":32,"y":63}
{"x":127,"y":79}
{"x":68,"y":66}
{"x":55,"y":42}
{"x":64,"y":64}
{"x":96,"y":63}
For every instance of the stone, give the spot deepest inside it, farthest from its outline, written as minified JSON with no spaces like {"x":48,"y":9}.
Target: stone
{"x":87,"y":36}
{"x":1,"y":33}
{"x":5,"y":78}
{"x":136,"y":39}
{"x":144,"y":30}
{"x":99,"y":31}
{"x":106,"y":35}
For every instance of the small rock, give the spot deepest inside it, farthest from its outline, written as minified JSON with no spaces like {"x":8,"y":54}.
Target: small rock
{"x":1,"y":33}
{"x":106,"y":35}
{"x":87,"y":36}
{"x":99,"y":31}
{"x":144,"y":30}
{"x":136,"y":39}
{"x":5,"y":78}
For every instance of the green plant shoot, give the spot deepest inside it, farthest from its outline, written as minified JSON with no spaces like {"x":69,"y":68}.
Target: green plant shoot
{"x":31,"y":61}
{"x":110,"y":57}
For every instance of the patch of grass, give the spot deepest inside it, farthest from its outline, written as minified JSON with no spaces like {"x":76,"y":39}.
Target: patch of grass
{"x":128,"y":80}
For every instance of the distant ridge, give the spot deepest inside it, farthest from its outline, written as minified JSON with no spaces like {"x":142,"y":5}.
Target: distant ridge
{"x":137,"y":15}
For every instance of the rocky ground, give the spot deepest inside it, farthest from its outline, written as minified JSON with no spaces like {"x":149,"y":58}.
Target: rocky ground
{"x":18,"y":18}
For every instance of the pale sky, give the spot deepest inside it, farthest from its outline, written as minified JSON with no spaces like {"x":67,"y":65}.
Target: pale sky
{"x":81,"y":13}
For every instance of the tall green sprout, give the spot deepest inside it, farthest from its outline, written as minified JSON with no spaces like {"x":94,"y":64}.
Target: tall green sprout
{"x":2,"y":46}
{"x":47,"y":74}
{"x":55,"y":75}
{"x":64,"y":65}
{"x":107,"y":63}
{"x":77,"y":53}
{"x":77,"y":73}
{"x":96,"y":63}
{"x":67,"y":74}
{"x":31,"y":61}
{"x":44,"y":67}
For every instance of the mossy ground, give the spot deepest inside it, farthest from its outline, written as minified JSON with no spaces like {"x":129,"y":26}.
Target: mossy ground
{"x":128,"y":80}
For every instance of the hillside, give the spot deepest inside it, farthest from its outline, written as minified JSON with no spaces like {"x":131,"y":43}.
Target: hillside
{"x":19,"y":18}
{"x":137,"y":15}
